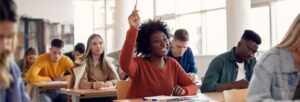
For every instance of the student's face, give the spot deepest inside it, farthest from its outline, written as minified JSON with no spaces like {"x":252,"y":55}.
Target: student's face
{"x":55,"y":54}
{"x":6,"y":35}
{"x":159,"y":44}
{"x":97,"y":46}
{"x":248,"y":49}
{"x":179,"y":47}
{"x":76,"y":53}
{"x":30,"y":58}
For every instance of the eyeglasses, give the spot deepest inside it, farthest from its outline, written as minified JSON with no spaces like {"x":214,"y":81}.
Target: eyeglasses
{"x":250,"y":50}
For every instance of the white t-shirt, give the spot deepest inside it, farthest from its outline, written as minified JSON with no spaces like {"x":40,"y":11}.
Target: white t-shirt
{"x":241,"y":71}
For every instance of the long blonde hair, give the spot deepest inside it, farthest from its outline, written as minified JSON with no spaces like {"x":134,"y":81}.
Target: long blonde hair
{"x":88,"y":57}
{"x":5,"y":58}
{"x":7,"y":14}
{"x":291,"y":41}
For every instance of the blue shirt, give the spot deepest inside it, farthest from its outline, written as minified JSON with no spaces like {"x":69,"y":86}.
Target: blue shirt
{"x":275,"y":77}
{"x":187,"y":61}
{"x":223,"y":69}
{"x":16,"y":91}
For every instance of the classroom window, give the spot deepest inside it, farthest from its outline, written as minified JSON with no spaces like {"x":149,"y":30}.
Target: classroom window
{"x":164,"y":7}
{"x":109,"y":41}
{"x":171,"y":25}
{"x":287,"y":10}
{"x":201,"y":18}
{"x":215,"y":32}
{"x":147,"y":7}
{"x":98,"y":11}
{"x":110,"y":12}
{"x":260,"y":23}
{"x":213,"y":4}
{"x":83,"y":20}
{"x":94,"y":17}
{"x":189,"y":6}
{"x":192,"y":23}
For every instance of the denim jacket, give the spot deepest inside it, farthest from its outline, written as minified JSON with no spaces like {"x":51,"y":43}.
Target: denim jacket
{"x":16,"y":91}
{"x":275,"y":77}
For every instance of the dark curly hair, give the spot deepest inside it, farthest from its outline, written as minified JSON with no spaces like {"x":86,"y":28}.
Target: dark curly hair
{"x":145,"y":31}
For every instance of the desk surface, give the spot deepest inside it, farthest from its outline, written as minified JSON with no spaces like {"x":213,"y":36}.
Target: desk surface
{"x":45,"y":85}
{"x":53,"y":84}
{"x":214,"y":96}
{"x":90,"y":92}
{"x":211,"y":97}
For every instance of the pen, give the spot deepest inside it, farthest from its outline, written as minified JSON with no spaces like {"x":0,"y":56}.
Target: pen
{"x":172,"y":92}
{"x":149,"y":99}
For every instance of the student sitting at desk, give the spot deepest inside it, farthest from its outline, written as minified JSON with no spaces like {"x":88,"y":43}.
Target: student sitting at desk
{"x":182,"y":53}
{"x":98,"y":73}
{"x":29,"y":58}
{"x":233,"y":69}
{"x":50,"y":67}
{"x":276,"y":76}
{"x":77,"y":51}
{"x":152,"y":73}
{"x":12,"y":87}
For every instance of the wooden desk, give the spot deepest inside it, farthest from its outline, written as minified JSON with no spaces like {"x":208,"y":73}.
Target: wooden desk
{"x":211,"y":97}
{"x":78,"y":94}
{"x":46,"y":85}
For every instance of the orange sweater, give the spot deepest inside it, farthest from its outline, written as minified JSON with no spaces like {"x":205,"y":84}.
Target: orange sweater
{"x":147,"y":79}
{"x":43,"y":69}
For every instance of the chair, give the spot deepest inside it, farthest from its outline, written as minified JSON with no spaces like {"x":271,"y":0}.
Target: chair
{"x":122,"y":88}
{"x":235,"y":95}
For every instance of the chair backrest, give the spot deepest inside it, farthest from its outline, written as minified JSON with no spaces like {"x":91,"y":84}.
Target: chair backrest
{"x":123,"y":87}
{"x":77,"y":73}
{"x":235,"y":95}
{"x":29,"y":90}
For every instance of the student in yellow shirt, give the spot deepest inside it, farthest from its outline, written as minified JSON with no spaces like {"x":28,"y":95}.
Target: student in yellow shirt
{"x":50,"y":67}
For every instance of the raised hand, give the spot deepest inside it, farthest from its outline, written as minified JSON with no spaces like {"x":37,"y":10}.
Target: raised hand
{"x":134,"y":19}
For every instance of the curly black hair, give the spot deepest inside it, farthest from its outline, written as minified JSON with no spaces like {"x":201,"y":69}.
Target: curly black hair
{"x":145,"y":31}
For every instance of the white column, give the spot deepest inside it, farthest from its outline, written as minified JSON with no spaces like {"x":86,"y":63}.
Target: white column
{"x":123,"y":10}
{"x":238,"y":15}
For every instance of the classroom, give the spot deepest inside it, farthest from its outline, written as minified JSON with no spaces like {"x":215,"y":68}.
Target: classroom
{"x":149,"y":50}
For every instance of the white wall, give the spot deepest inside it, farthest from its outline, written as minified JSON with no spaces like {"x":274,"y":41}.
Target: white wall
{"x":54,"y":10}
{"x":202,"y":63}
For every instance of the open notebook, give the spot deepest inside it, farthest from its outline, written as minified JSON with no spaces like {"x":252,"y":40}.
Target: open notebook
{"x":106,"y":88}
{"x":163,"y":98}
